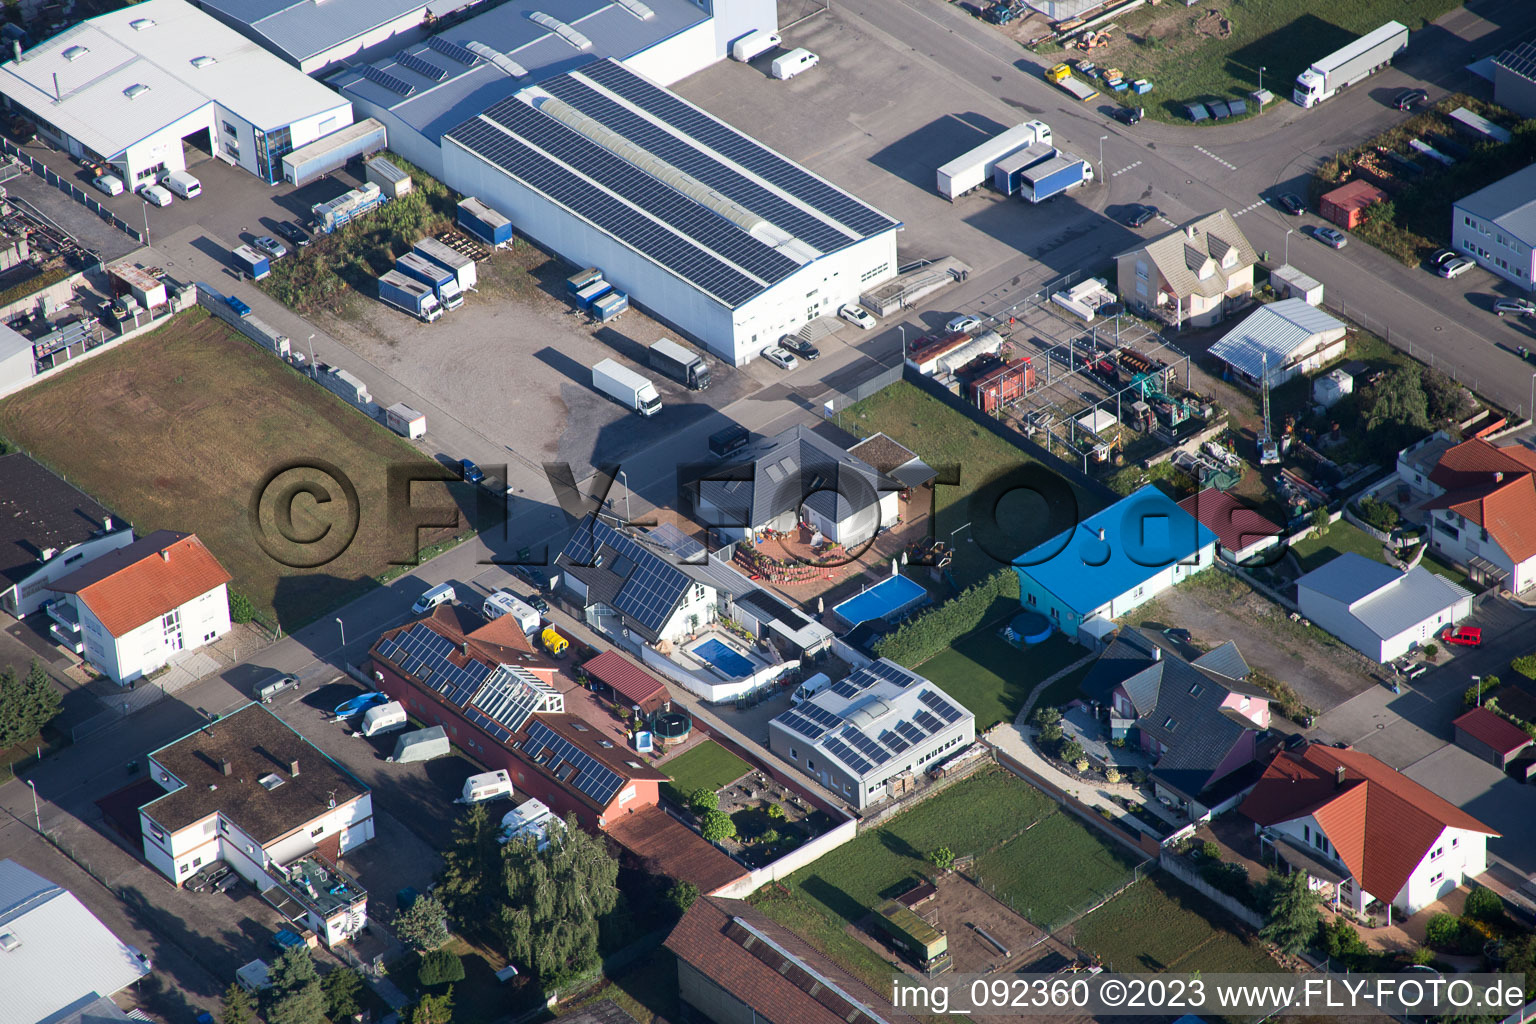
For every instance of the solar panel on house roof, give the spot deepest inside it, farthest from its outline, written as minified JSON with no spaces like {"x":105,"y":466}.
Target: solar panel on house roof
{"x":895,"y":742}
{"x":421,"y":66}
{"x":944,"y":708}
{"x":388,"y":81}
{"x":810,"y":730}
{"x":846,"y":754}
{"x":592,"y":777}
{"x":677,"y":151}
{"x":620,"y":177}
{"x":864,"y":745}
{"x":890,"y":673}
{"x":928,"y":721}
{"x":453,"y":51}
{"x":652,"y":588}
{"x":745,"y":151}
{"x":585,"y":200}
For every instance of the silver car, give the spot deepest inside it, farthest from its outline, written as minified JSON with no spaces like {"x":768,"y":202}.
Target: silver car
{"x":780,"y":358}
{"x":1331,"y":236}
{"x":1458,"y":266}
{"x":1515,"y":307}
{"x":271,"y":246}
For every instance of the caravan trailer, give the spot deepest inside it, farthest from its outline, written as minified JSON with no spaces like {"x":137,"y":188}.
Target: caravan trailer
{"x":486,"y":786}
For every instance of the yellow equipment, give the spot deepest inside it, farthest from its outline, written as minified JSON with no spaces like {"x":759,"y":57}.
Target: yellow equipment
{"x":553,"y":642}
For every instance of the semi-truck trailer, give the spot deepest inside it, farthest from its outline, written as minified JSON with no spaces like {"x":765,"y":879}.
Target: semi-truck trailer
{"x":626,"y":387}
{"x":405,"y":421}
{"x":443,"y":282}
{"x":678,"y":363}
{"x":1007,"y":172}
{"x":970,"y":169}
{"x":412,"y":296}
{"x":1360,"y":59}
{"x":1053,"y":177}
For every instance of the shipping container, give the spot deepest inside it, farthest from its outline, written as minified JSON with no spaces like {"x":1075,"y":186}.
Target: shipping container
{"x":924,"y":945}
{"x":582,"y":279}
{"x":251,"y":262}
{"x":998,"y":384}
{"x":608,"y":306}
{"x":484,"y":223}
{"x":391,"y":179}
{"x":405,"y":421}
{"x":329,"y":152}
{"x":445,"y":255}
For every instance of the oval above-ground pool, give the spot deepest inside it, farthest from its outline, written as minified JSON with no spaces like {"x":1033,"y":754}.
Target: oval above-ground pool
{"x":1032,"y":627}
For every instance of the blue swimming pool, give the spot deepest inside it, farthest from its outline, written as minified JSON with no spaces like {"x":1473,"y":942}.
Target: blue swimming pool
{"x":888,"y":599}
{"x":723,"y":658}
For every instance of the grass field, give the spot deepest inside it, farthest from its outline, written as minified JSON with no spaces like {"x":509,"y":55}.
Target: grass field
{"x":1054,"y":869}
{"x":706,"y":766}
{"x":1160,"y":924}
{"x":179,"y":429}
{"x":1188,"y":58}
{"x":991,"y":677}
{"x":943,"y":437}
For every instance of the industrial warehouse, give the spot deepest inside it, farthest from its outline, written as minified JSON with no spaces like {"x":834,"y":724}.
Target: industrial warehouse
{"x":134,"y":87}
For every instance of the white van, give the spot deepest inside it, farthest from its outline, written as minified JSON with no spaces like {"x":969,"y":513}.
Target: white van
{"x":810,"y":688}
{"x":754,"y":44}
{"x":486,"y":786}
{"x":111,"y":184}
{"x":792,"y":63}
{"x":384,"y":718}
{"x":504,"y":602}
{"x":183,"y":184}
{"x":440,"y":594}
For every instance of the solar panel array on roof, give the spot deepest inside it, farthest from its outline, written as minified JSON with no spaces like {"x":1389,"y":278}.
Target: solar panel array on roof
{"x":891,"y":673}
{"x":422,"y":653}
{"x":678,"y":152}
{"x":805,"y":727}
{"x":852,"y":686}
{"x":895,"y":742}
{"x":654,"y":585}
{"x":388,"y":81}
{"x":864,"y":745}
{"x":942,"y":707}
{"x":592,"y":777}
{"x":747,"y":152}
{"x":1521,"y":61}
{"x":911,"y":732}
{"x":928,"y":721}
{"x":421,"y":66}
{"x":453,"y":51}
{"x":642,"y":233}
{"x":846,"y":754}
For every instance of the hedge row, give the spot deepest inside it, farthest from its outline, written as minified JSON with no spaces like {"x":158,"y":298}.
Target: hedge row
{"x":920,"y":638}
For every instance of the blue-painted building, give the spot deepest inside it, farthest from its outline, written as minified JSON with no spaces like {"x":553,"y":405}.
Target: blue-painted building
{"x":1113,"y":561}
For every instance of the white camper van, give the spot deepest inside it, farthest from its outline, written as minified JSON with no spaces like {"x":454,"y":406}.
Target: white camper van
{"x":810,"y":688}
{"x":754,"y":44}
{"x":504,"y":602}
{"x":486,"y":786}
{"x":790,"y":64}
{"x":384,"y":718}
{"x":432,"y":597}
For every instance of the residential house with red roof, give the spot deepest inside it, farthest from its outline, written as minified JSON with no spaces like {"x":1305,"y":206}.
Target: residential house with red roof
{"x":1363,"y":832}
{"x":1482,"y":510}
{"x":1241,"y":530}
{"x":136,"y":608}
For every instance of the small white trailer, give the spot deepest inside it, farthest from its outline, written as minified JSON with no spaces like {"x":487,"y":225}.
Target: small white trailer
{"x":384,"y":718}
{"x":486,"y":786}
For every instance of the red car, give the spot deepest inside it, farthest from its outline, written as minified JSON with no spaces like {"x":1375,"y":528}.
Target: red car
{"x":1465,"y":636}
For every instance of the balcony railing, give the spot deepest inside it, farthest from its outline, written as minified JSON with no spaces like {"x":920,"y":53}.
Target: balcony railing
{"x":63,"y":613}
{"x":318,"y":885}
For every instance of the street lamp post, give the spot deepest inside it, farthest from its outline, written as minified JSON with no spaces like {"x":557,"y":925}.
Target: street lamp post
{"x":1478,"y":682}
{"x":1288,"y":246}
{"x":903,"y":329}
{"x":36,"y":814}
{"x":1101,"y":156}
{"x":146,"y":221}
{"x":311,"y":355}
{"x":625,"y":478}
{"x":1261,"y":78}
{"x":343,"y":627}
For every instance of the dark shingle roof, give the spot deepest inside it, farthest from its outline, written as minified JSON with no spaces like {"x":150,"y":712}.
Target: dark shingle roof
{"x":777,"y":474}
{"x":40,"y":510}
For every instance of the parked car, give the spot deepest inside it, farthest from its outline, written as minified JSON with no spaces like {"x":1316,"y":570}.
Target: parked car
{"x":271,"y":246}
{"x":537,"y":603}
{"x":1127,"y":115}
{"x":1410,"y":98}
{"x":155,"y":194}
{"x":1515,"y":307}
{"x":1330,"y":236}
{"x":800,"y":347}
{"x":111,"y":184}
{"x":780,"y":358}
{"x":1464,"y":636}
{"x":963,"y":322}
{"x":469,"y":472}
{"x":238,"y":305}
{"x":1456,"y":267}
{"x":1442,"y":257}
{"x":1140,"y":215}
{"x":858,"y":316}
{"x":295,"y":234}
{"x":533,"y":575}
{"x":1179,"y":634}
{"x":1291,"y":203}
{"x":274,"y":686}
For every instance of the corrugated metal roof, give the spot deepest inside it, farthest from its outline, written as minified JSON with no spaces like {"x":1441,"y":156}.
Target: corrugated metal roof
{"x":1385,"y":601}
{"x":299,"y":29}
{"x":93,"y":107}
{"x":1276,"y":331}
{"x":1509,"y":202}
{"x":63,"y":955}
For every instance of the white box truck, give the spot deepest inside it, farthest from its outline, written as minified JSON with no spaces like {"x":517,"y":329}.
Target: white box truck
{"x":504,"y":602}
{"x":626,"y":387}
{"x":384,"y":718}
{"x":405,"y":421}
{"x":485,"y":786}
{"x":971,"y":168}
{"x":1360,"y":59}
{"x":790,"y":64}
{"x":754,"y":44}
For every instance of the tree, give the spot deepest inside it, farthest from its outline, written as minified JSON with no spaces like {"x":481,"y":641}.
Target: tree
{"x":341,"y":987}
{"x":295,"y":996}
{"x":776,"y":812}
{"x":1293,"y":914}
{"x":1398,"y":405}
{"x":681,"y":896}
{"x":1483,"y":904}
{"x":1447,"y":399}
{"x":439,"y":967}
{"x":550,"y":902}
{"x":421,"y":925}
{"x":432,"y":1009}
{"x":703,"y":800}
{"x":1521,"y":959}
{"x":1321,"y":521}
{"x":237,"y":1006}
{"x":1047,"y":716}
{"x":241,"y":609}
{"x":1340,"y":941}
{"x":1443,"y":931}
{"x":717,"y":825}
{"x":1383,"y":211}
{"x":471,"y":864}
{"x":1070,"y":752}
{"x":27,"y":703}
{"x":1050,"y":732}
{"x":943,"y":858}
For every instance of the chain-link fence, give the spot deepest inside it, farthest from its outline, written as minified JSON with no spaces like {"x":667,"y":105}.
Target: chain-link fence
{"x":1059,"y":923}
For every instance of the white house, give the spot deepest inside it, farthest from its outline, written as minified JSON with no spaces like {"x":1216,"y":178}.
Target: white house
{"x":1195,"y":274}
{"x":1496,"y":226}
{"x":251,"y":792}
{"x":1363,"y":832}
{"x":48,"y":529}
{"x":1482,"y":506}
{"x":1280,"y":340}
{"x":1379,"y":611}
{"x":795,"y":477}
{"x":137,"y":607}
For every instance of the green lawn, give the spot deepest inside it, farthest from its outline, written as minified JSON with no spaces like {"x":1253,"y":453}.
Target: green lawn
{"x":988,"y":468}
{"x":991,"y":677}
{"x":706,"y":766}
{"x":1055,"y":869}
{"x":1184,"y":54}
{"x":1160,"y":924}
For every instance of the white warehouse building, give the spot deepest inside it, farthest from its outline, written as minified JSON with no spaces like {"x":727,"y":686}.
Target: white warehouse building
{"x":709,"y":229}
{"x":131,"y":88}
